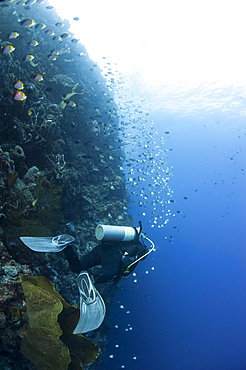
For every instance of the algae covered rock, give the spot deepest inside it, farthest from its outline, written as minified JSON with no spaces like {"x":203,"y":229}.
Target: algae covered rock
{"x":42,"y":344}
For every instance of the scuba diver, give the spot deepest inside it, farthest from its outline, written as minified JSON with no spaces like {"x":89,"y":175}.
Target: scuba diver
{"x":118,"y":255}
{"x":117,"y":258}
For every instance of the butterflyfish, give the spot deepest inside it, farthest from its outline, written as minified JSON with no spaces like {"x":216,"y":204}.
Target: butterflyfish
{"x":40,"y":26}
{"x":8,"y":49}
{"x":65,"y":35}
{"x":71,"y":103}
{"x":30,"y":2}
{"x":37,"y":77}
{"x":19,"y":95}
{"x":18,"y":85}
{"x":28,"y":22}
{"x":28,"y":58}
{"x":52,"y":57}
{"x":50,"y":32}
{"x":13,"y":35}
{"x":57,"y":38}
{"x":33,"y":43}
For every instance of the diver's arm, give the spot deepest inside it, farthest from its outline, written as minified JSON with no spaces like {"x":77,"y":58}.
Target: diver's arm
{"x":142,"y":250}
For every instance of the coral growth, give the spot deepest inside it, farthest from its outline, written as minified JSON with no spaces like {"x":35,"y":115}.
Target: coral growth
{"x":60,"y":172}
{"x":42,"y":344}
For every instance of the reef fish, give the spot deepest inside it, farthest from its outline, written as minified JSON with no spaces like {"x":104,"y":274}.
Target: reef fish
{"x":33,"y":43}
{"x":19,"y":95}
{"x":71,"y":103}
{"x":37,"y":77}
{"x":8,"y":49}
{"x":57,"y":38}
{"x":52,"y":57}
{"x":13,"y":35}
{"x":28,"y":22}
{"x":18,"y":85}
{"x":50,"y":32}
{"x":30,"y":2}
{"x":65,"y":35}
{"x":40,"y":26}
{"x":28,"y":58}
{"x":54,"y":52}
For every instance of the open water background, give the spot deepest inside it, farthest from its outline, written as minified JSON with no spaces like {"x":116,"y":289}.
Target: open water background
{"x":189,"y":312}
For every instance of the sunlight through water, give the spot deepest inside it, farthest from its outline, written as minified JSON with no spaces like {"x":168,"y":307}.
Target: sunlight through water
{"x":190,"y":49}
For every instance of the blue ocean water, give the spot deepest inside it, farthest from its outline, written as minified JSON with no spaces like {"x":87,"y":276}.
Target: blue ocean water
{"x":187,"y":308}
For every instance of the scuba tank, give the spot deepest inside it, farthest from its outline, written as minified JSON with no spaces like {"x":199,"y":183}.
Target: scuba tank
{"x":108,"y":233}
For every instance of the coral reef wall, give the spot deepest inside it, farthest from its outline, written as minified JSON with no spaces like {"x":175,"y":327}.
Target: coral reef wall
{"x":60,"y":159}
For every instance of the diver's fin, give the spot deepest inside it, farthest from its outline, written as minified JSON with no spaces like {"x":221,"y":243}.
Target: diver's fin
{"x":47,"y":244}
{"x":92,"y":306}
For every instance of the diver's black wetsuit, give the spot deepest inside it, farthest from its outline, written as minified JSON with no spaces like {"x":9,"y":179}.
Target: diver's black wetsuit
{"x":113,"y":257}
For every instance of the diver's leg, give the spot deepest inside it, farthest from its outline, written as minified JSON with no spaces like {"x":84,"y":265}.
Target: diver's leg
{"x":91,"y":259}
{"x":88,"y":260}
{"x":110,"y":260}
{"x":72,"y":259}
